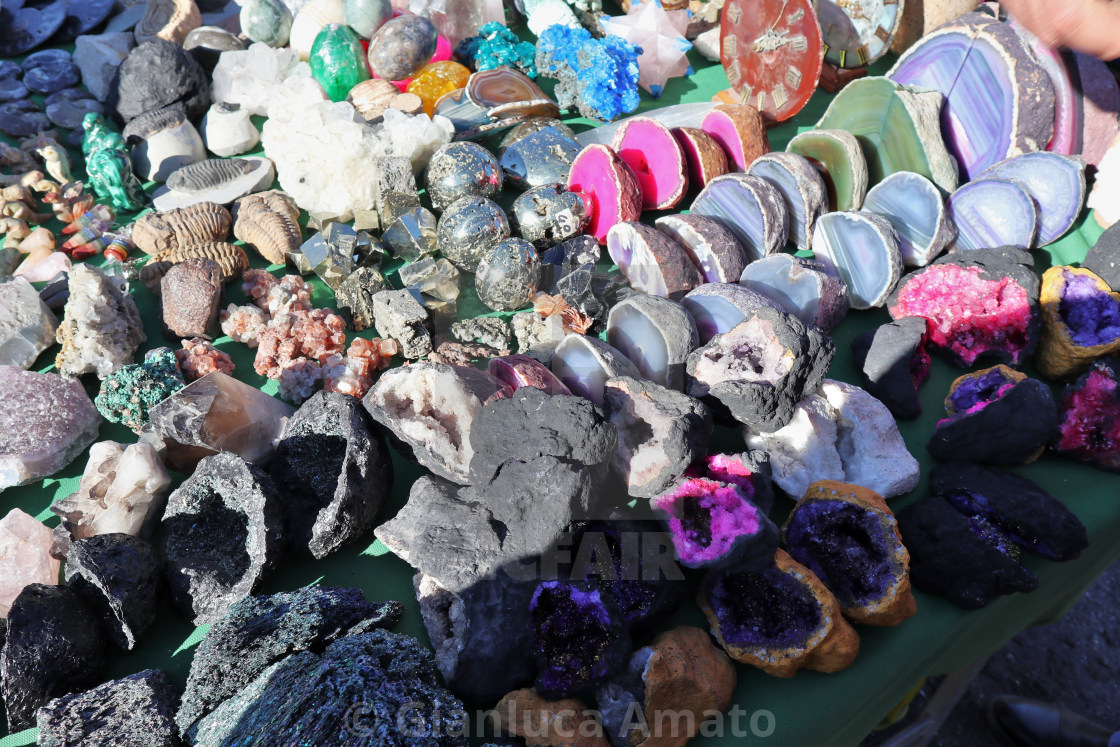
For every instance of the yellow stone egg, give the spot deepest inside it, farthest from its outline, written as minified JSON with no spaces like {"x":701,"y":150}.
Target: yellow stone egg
{"x":436,"y":79}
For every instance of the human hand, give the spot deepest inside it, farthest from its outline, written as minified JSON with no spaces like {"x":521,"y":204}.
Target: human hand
{"x":1090,"y":26}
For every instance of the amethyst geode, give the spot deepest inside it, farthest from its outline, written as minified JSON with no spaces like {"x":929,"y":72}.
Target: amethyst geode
{"x":579,"y":638}
{"x":1080,"y":321}
{"x":761,"y":369}
{"x":967,"y":560}
{"x":119,"y":576}
{"x":138,"y":711}
{"x":1027,"y":514}
{"x":996,"y":416}
{"x":894,"y":364}
{"x":1089,"y":419}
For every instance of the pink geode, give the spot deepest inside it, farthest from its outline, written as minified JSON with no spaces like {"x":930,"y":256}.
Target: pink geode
{"x":657,"y":160}
{"x":25,"y":556}
{"x":521,"y":371}
{"x":707,"y":519}
{"x":610,"y":184}
{"x":740,"y":130}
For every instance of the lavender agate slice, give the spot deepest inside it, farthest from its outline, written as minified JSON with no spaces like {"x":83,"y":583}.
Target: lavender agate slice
{"x":1055,"y":183}
{"x":583,"y":364}
{"x":709,"y":244}
{"x":718,"y":307}
{"x":656,"y":334}
{"x":916,"y":209}
{"x":800,"y":185}
{"x":837,"y":155}
{"x":897,"y":126}
{"x":990,"y":213}
{"x":862,"y":249}
{"x":651,"y":261}
{"x":751,"y":207}
{"x":715,"y":525}
{"x":999,"y":101}
{"x":800,"y":287}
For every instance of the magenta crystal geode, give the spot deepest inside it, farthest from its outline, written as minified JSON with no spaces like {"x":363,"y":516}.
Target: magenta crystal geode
{"x":1089,"y":419}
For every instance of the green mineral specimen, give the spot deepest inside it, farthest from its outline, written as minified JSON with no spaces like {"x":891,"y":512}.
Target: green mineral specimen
{"x":338,"y":61}
{"x":127,"y":395}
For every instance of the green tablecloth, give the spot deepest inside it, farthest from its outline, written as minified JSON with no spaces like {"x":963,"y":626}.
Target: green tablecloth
{"x":809,"y":709}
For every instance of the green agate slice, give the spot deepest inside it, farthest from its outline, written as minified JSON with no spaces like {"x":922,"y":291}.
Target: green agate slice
{"x":838,"y":156}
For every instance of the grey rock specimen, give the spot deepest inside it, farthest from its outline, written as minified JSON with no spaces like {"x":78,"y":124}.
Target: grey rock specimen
{"x":259,"y":631}
{"x":660,"y":433}
{"x":334,"y":472}
{"x":398,"y":315}
{"x":156,"y":74}
{"x":893,"y":362}
{"x":391,"y":174}
{"x":54,"y":646}
{"x":537,"y":335}
{"x":761,"y":369}
{"x":163,"y":140}
{"x":137,"y":710}
{"x":119,"y":576}
{"x":222,"y":531}
{"x":27,"y":326}
{"x":101,"y":328}
{"x":98,"y":57}
{"x":354,"y":297}
{"x":488,"y":330}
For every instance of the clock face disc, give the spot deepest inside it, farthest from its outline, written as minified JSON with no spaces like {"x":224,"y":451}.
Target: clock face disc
{"x":772,"y":53}
{"x":858,"y":32}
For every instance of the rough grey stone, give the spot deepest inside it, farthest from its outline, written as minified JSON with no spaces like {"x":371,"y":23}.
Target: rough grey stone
{"x":134,"y":711}
{"x":119,"y":575}
{"x":398,"y":315}
{"x":156,"y":74}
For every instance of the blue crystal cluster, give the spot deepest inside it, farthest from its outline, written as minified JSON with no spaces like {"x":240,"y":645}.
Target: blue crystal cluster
{"x":597,"y":76}
{"x":497,"y":46}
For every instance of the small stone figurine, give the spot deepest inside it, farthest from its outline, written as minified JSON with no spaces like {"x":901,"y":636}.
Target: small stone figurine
{"x":109,"y":166}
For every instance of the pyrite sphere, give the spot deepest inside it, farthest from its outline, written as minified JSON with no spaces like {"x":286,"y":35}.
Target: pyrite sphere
{"x":462,"y":170}
{"x":468,"y":229}
{"x":401,"y":47}
{"x":549,"y":214}
{"x":508,"y":275}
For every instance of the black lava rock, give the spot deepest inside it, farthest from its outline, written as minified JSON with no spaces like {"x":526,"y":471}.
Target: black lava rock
{"x":334,"y":470}
{"x":893,"y":362}
{"x":119,"y":575}
{"x":259,"y":631}
{"x":376,"y":688}
{"x":969,"y":562}
{"x":55,"y":646}
{"x":222,"y":531}
{"x":1001,"y":418}
{"x":134,"y":711}
{"x":759,"y":370}
{"x":1103,"y":260}
{"x":156,"y":74}
{"x":1031,"y":517}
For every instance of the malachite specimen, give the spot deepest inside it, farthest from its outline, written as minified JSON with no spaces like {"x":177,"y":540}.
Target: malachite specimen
{"x":839,"y":158}
{"x":338,"y":61}
{"x":899,"y":128}
{"x":127,"y":395}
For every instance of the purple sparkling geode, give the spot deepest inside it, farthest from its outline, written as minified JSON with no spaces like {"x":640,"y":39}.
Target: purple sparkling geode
{"x":992,"y":212}
{"x":750,"y":471}
{"x":1080,"y":321}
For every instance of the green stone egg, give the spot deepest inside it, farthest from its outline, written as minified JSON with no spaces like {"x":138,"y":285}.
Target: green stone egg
{"x":338,"y":61}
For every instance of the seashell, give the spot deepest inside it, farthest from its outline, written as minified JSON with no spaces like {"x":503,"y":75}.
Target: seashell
{"x":751,"y":207}
{"x":505,"y":92}
{"x":990,"y":213}
{"x":151,"y":275}
{"x":197,"y":224}
{"x":839,"y":158}
{"x":309,"y":22}
{"x":861,"y":249}
{"x":802,"y":188}
{"x":916,"y":209}
{"x":656,"y":334}
{"x":230,"y":258}
{"x":268,"y":222}
{"x":1055,"y":183}
{"x":170,"y":20}
{"x":372,"y":97}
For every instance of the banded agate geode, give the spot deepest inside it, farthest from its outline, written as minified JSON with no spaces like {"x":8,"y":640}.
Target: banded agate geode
{"x":839,"y":158}
{"x":751,"y":207}
{"x":717,"y":307}
{"x":583,"y":364}
{"x":1055,"y":184}
{"x":656,"y":334}
{"x":802,"y":187}
{"x":999,"y":101}
{"x":862,"y":249}
{"x":800,"y":287}
{"x":992,"y":212}
{"x":915,"y":208}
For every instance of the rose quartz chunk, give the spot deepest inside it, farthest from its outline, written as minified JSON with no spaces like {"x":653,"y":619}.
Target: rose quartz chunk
{"x":25,"y":556}
{"x":610,"y":184}
{"x":657,"y":160}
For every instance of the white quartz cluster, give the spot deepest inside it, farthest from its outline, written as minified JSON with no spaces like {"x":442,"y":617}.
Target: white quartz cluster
{"x":265,"y":81}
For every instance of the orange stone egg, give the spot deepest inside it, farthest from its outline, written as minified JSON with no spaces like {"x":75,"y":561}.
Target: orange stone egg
{"x":436,"y":79}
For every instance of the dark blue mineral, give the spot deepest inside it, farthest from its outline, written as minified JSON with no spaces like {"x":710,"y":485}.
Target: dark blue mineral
{"x":119,"y":575}
{"x":134,"y":711}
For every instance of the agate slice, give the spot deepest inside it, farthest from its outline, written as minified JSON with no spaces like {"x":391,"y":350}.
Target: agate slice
{"x":706,"y":157}
{"x":893,"y":362}
{"x":916,"y":211}
{"x":1089,"y":419}
{"x":521,"y":370}
{"x":1031,"y":517}
{"x":714,"y":525}
{"x":837,"y":155}
{"x":981,"y":303}
{"x":1080,"y":321}
{"x":847,"y":536}
{"x":996,"y":416}
{"x":583,"y":364}
{"x":990,"y":213}
{"x":656,"y":334}
{"x":1055,"y":184}
{"x":862,"y":249}
{"x":751,"y":207}
{"x":999,"y":101}
{"x":657,"y":160}
{"x":898,"y":127}
{"x":800,"y":287}
{"x":651,"y":261}
{"x":613,"y":188}
{"x":718,"y":307}
{"x":802,"y":188}
{"x":710,"y":245}
{"x":780,"y":619}
{"x":740,"y":131}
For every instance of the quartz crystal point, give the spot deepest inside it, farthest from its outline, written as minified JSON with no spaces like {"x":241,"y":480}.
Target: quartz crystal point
{"x":612,"y":186}
{"x":802,"y":188}
{"x":656,"y":334}
{"x":992,"y":212}
{"x":999,"y":101}
{"x":656,"y":158}
{"x":916,"y":210}
{"x":839,"y":158}
{"x":800,"y":287}
{"x":751,"y":207}
{"x":862,"y":249}
{"x":217,"y":413}
{"x":651,"y":261}
{"x":898,"y":126}
{"x":1055,"y":184}
{"x":27,"y":326}
{"x":101,"y":329}
{"x":45,"y":421}
{"x":710,"y":245}
{"x":718,"y":307}
{"x":585,"y":363}
{"x":25,"y":556}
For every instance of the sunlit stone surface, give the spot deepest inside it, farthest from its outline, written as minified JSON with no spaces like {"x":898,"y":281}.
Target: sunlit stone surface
{"x":916,"y":210}
{"x":27,"y":326}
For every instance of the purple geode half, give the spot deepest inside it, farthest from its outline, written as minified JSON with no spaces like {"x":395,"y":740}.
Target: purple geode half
{"x":1080,"y":321}
{"x":1055,"y":184}
{"x":992,"y":212}
{"x":1091,"y":313}
{"x":766,"y":608}
{"x":579,"y":639}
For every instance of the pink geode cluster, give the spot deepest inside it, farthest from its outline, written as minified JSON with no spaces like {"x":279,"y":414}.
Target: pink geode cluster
{"x":198,"y":358}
